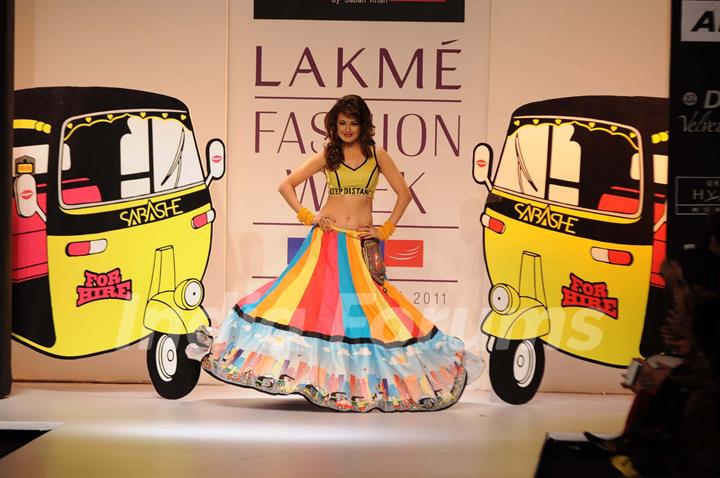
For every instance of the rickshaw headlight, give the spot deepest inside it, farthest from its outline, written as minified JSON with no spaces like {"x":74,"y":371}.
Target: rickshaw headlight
{"x":504,"y":299}
{"x":189,"y":294}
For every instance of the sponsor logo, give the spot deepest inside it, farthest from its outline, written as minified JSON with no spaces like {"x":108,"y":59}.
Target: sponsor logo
{"x":151,"y":212}
{"x":103,"y":285}
{"x":690,"y":98}
{"x":700,"y":21}
{"x":697,"y":195}
{"x":545,"y":217}
{"x":591,"y":295}
{"x":700,"y":121}
{"x":404,"y":253}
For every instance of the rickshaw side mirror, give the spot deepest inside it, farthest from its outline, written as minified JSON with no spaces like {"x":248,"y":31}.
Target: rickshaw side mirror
{"x":26,"y":200}
{"x":482,"y":163}
{"x":215,"y":157}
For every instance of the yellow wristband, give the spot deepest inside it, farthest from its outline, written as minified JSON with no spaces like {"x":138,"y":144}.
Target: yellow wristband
{"x":386,"y":230}
{"x":305,"y":216}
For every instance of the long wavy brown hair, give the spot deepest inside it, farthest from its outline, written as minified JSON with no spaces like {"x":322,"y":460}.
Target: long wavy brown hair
{"x":355,"y":107}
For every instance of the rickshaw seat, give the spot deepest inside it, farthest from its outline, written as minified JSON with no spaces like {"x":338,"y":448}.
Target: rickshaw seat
{"x":79,"y":192}
{"x":616,"y":203}
{"x":29,"y":238}
{"x":659,"y":244}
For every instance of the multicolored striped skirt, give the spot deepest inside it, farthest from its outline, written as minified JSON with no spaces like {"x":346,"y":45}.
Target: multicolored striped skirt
{"x":326,"y":330}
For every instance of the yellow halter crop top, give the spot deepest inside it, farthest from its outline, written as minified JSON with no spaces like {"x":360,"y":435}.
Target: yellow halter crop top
{"x":361,"y":181}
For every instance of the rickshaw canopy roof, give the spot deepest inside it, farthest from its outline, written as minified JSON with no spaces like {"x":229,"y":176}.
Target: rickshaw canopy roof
{"x":647,"y":114}
{"x":53,"y":105}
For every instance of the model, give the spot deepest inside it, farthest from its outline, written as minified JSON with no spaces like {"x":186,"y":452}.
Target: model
{"x":331,"y":327}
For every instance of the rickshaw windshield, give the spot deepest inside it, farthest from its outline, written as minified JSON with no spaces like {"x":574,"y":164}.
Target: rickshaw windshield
{"x":142,"y":153}
{"x":577,"y":163}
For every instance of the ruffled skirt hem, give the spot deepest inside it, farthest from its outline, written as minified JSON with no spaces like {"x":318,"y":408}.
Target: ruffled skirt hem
{"x":313,"y":395}
{"x":425,"y":376}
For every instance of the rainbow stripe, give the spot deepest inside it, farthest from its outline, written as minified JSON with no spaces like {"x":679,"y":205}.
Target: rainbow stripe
{"x":326,"y":291}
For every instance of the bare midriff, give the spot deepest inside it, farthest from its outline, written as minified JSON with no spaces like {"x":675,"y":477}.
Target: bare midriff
{"x":349,"y":211}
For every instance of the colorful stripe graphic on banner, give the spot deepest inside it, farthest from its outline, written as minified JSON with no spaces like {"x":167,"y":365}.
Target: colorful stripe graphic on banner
{"x":404,"y":253}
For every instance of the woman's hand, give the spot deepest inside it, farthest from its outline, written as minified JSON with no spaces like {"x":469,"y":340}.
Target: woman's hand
{"x":650,"y":377}
{"x":324,"y":221}
{"x":365,"y":232}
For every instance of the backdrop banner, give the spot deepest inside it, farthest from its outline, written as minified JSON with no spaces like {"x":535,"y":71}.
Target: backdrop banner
{"x":428,"y":98}
{"x":694,"y":170}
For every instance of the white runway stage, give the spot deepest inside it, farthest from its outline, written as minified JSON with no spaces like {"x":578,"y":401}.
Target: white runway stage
{"x":225,"y":431}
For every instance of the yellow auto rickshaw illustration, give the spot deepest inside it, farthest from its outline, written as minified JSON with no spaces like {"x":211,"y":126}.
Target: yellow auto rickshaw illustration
{"x":574,"y":235}
{"x":112,"y":226}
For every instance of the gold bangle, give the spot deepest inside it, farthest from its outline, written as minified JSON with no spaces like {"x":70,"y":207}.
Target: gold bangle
{"x":386,"y":230}
{"x":305,"y":216}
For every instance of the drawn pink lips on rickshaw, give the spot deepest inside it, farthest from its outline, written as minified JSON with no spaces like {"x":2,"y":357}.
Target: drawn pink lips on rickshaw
{"x":217,"y":158}
{"x":26,"y":194}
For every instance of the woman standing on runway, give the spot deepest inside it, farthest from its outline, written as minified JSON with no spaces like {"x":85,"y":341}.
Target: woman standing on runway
{"x":331,"y":327}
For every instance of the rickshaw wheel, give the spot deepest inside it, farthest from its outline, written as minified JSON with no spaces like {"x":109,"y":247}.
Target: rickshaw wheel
{"x":516,"y":369}
{"x":172,"y":373}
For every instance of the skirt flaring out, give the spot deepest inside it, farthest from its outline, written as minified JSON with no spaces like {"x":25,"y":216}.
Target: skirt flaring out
{"x":325,"y":330}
